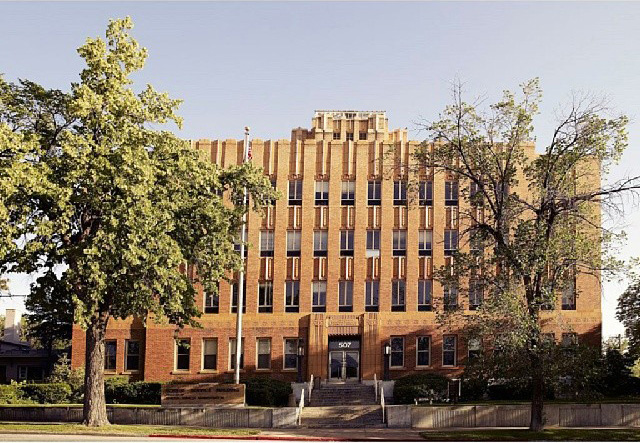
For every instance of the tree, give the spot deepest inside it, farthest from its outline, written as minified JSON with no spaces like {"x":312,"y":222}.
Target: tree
{"x":628,"y":312}
{"x":119,"y":205}
{"x":536,"y":216}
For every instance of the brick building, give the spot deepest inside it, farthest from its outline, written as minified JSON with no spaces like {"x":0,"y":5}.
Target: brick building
{"x":340,"y":266}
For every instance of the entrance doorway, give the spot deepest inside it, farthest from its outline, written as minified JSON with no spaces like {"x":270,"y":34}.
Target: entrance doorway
{"x":344,"y":359}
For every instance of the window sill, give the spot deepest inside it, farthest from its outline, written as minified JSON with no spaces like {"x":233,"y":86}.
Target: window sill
{"x":180,"y":372}
{"x":136,"y":371}
{"x":110,"y":372}
{"x":423,"y":368}
{"x":397,"y":368}
{"x":262,"y":370}
{"x":208,"y":371}
{"x":290,"y":370}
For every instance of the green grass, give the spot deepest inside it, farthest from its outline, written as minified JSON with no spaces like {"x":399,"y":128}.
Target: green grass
{"x":126,"y":430}
{"x":525,"y":435}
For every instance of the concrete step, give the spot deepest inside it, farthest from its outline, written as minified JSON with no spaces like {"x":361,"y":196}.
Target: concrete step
{"x":343,"y":394}
{"x":342,"y":417}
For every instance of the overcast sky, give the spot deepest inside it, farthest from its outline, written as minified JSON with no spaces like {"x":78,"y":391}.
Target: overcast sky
{"x":269,"y":65}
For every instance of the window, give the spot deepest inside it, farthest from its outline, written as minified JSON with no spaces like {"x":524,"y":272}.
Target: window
{"x":132,"y":355}
{"x":569,"y":339}
{"x":425,"y":193}
{"x":350,"y":136}
{"x":399,"y":243}
{"x":346,"y":243}
{"x":397,"y":352}
{"x":232,"y":353}
{"x":371,"y":289}
{"x":266,"y":243}
{"x":30,"y":373}
{"x":425,"y":238}
{"x":398,"y":292}
{"x":290,"y":353}
{"x":345,"y":296}
{"x":373,"y":193}
{"x":322,"y":193}
{"x":211,"y":303}
{"x":363,"y":135}
{"x":476,"y":294}
{"x":450,"y":298}
{"x":319,"y":296}
{"x":449,"y":357}
{"x":450,"y":241}
{"x":293,"y":243}
{"x":474,"y":347}
{"x":425,"y":288}
{"x":234,"y":297}
{"x":399,"y":193}
{"x":110,"y":348}
{"x":265,"y":297}
{"x":295,"y":192}
{"x":569,"y":295}
{"x":423,"y":346}
{"x":275,"y":188}
{"x":451,"y":193}
{"x":348,"y":193}
{"x":292,"y":296}
{"x":209,"y":354}
{"x":373,"y":243}
{"x":336,"y":135}
{"x":320,"y":243}
{"x":475,"y":194}
{"x":183,"y":351}
{"x":264,"y":353}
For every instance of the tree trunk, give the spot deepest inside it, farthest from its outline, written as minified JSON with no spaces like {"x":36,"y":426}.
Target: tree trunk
{"x":95,"y":407}
{"x":537,"y":396}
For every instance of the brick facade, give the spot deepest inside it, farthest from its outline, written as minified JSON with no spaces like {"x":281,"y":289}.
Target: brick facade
{"x":342,"y":146}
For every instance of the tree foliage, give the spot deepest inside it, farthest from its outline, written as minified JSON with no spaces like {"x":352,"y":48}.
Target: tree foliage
{"x":107,"y":206}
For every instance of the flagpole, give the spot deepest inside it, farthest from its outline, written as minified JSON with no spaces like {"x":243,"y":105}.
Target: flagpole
{"x":240,"y":282}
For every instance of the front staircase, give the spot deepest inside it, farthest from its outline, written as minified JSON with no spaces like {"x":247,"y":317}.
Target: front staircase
{"x":342,"y":405}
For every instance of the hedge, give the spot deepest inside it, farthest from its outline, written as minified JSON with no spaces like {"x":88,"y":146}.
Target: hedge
{"x":262,"y":391}
{"x":50,"y":393}
{"x":429,"y":385}
{"x":139,"y":392}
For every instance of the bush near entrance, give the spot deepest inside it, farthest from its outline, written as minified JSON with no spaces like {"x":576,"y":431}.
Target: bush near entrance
{"x":429,"y":385}
{"x":118,"y":390}
{"x":263,"y":391}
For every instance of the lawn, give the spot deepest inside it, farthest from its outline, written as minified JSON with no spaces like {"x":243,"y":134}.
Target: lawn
{"x":525,"y":435}
{"x":126,"y":430}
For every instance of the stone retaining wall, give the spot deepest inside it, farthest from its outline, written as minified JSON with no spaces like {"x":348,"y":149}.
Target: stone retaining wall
{"x":202,"y":417}
{"x":478,"y":416}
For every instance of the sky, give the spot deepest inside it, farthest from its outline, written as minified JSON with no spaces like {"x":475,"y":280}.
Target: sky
{"x":269,"y":65}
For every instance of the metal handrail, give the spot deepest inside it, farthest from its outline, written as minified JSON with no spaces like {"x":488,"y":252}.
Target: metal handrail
{"x":310,"y":387}
{"x":300,"y":407}
{"x":382,"y":403}
{"x":375,"y":385}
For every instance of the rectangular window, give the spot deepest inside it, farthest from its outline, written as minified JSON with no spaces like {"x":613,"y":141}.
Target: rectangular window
{"x":320,"y":243}
{"x":349,"y":136}
{"x":398,"y":292}
{"x":292,"y":296}
{"x":290,"y":353}
{"x":425,"y":288}
{"x":451,"y":193}
{"x":450,"y":241}
{"x":110,"y":348}
{"x":211,"y":303}
{"x":265,"y":297}
{"x":374,"y":195}
{"x":397,"y":352}
{"x":345,"y":296}
{"x":209,"y":354}
{"x":399,"y":193}
{"x":399,"y":243}
{"x":293,"y":243}
{"x":371,"y":291}
{"x":232,"y":354}
{"x":373,"y":243}
{"x":183,"y":354}
{"x":475,"y":194}
{"x":348,"y":193}
{"x":30,"y":373}
{"x":425,"y":238}
{"x":322,"y":193}
{"x":266,"y":243}
{"x":295,"y":192}
{"x":132,"y":355}
{"x":423,"y":349}
{"x":336,"y":135}
{"x":425,"y":193}
{"x":569,"y":295}
{"x":234,"y":297}
{"x":474,"y":348}
{"x":363,"y":135}
{"x":346,"y":243}
{"x":449,"y":350}
{"x":476,"y":294}
{"x":264,"y":353}
{"x":450,"y":298}
{"x":319,"y":296}
{"x":569,"y":339}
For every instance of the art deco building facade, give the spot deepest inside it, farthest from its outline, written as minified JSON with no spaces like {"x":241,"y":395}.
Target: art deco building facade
{"x":340,"y":266}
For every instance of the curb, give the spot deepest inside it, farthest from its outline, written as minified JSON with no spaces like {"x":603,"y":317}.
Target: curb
{"x":247,"y":437}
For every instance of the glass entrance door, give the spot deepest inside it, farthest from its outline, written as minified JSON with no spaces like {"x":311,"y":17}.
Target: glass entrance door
{"x":344,"y":365}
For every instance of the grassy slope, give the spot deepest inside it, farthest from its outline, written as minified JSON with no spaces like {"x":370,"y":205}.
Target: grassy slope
{"x":128,"y":430}
{"x":525,"y":435}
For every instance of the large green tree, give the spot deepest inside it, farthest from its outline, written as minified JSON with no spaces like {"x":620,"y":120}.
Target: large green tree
{"x":531,"y":222}
{"x":118,"y":205}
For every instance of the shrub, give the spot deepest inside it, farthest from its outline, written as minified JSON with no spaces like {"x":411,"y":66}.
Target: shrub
{"x":11,"y":394}
{"x":262,"y":391}
{"x":140,"y":392}
{"x":62,"y":373}
{"x":428,"y":385}
{"x":51,"y":393}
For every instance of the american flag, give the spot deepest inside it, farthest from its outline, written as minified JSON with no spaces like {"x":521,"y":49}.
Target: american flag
{"x":249,"y":155}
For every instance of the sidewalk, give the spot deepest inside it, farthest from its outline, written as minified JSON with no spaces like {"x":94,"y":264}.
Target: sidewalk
{"x":309,"y":434}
